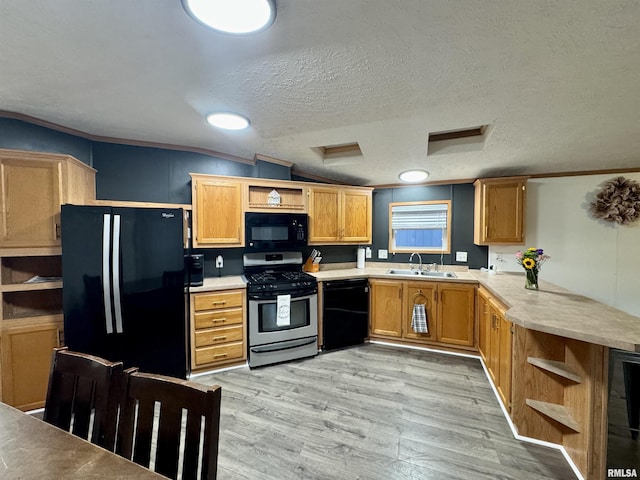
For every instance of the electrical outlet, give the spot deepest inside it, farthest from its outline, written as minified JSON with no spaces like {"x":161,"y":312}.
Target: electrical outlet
{"x":219,"y":261}
{"x":383,"y":254}
{"x":461,"y":256}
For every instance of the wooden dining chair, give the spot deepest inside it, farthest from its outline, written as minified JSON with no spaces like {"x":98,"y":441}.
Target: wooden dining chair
{"x":155,"y":399}
{"x":83,"y":395}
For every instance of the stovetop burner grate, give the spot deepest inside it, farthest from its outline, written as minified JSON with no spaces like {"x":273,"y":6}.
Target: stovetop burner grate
{"x":279,"y":277}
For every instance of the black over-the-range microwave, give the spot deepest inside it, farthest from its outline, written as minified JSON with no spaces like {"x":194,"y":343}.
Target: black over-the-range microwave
{"x":275,"y":231}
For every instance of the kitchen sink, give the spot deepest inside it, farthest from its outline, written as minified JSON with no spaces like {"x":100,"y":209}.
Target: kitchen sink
{"x":418,"y":273}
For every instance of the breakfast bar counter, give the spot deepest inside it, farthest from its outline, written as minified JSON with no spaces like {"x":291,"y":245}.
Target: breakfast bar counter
{"x":557,"y":311}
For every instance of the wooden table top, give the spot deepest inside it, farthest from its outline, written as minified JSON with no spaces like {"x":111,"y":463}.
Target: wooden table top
{"x":31,"y":448}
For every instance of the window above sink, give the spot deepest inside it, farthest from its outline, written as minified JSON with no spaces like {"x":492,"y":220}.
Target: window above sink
{"x":422,"y":227}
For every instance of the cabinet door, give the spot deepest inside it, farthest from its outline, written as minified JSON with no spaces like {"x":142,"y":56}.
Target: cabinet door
{"x":356,"y":217}
{"x":422,"y":292}
{"x":386,"y":308}
{"x":494,"y":345}
{"x":506,"y":339}
{"x":218,"y":214}
{"x":31,"y":195}
{"x":456,"y":313}
{"x":505,"y":210}
{"x":324,"y":208}
{"x":484,"y":326}
{"x":26,"y":363}
{"x":499,"y":211}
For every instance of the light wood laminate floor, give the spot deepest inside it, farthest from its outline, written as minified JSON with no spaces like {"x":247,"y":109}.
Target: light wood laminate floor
{"x":372,"y":412}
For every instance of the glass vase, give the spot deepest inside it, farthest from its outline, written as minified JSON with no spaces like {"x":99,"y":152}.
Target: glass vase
{"x":531,"y":279}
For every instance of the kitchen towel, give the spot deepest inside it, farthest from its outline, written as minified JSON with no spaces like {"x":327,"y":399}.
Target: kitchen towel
{"x":283,"y":317}
{"x":419,"y":319}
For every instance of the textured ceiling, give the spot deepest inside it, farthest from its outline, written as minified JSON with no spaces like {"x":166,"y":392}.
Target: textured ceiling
{"x":558,"y":81}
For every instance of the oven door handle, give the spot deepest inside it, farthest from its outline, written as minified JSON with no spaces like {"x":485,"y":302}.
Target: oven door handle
{"x":284,"y":345}
{"x":273,"y":298}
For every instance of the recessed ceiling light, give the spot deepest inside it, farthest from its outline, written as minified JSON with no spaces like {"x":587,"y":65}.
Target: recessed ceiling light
{"x":228,"y":121}
{"x":232,"y":16}
{"x":413,"y":176}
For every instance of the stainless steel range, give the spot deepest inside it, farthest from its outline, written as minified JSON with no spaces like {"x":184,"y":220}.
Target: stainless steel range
{"x":283,"y":308}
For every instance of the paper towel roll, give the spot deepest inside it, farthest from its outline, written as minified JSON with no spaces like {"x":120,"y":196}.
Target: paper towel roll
{"x":360,"y":258}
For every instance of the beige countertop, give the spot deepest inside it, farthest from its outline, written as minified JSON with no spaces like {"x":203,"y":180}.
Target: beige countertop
{"x":211,"y":284}
{"x":551,"y":309}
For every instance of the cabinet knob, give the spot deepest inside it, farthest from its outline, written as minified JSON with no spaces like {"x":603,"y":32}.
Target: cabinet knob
{"x":219,"y":320}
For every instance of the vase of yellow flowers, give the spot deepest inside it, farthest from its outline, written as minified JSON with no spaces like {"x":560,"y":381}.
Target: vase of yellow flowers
{"x":531,"y":260}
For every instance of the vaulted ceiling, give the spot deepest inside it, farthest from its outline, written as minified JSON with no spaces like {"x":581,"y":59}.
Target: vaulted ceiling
{"x":556,"y":83}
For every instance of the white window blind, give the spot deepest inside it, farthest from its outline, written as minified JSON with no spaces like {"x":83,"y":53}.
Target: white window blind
{"x":412,"y":217}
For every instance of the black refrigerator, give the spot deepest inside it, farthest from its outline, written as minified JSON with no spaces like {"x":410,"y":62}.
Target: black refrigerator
{"x":123,"y":286}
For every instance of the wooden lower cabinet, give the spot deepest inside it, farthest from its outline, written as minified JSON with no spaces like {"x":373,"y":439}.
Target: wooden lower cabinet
{"x":386,"y":308}
{"x":496,"y":343}
{"x":218,"y":332}
{"x":419,"y":292}
{"x":26,"y":361}
{"x":450,"y":309}
{"x":456,"y":313}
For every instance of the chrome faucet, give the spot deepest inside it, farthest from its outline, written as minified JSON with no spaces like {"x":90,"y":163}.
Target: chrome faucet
{"x":411,"y":260}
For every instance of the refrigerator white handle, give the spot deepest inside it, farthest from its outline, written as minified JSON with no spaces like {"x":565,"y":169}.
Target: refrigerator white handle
{"x":106,"y":278}
{"x":116,"y":273}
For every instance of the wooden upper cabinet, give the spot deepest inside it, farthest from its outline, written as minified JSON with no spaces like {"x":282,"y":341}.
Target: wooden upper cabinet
{"x":339,"y":215}
{"x":217,"y":212}
{"x":499,"y":211}
{"x":356,"y":216}
{"x":32,"y":189}
{"x":324,"y":212}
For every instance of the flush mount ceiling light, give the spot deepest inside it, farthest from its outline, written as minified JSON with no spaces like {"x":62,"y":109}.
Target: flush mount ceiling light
{"x":232,"y":16}
{"x":413,"y":176}
{"x":228,"y":121}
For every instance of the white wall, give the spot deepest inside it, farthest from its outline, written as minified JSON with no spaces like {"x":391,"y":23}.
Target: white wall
{"x":597,"y":259}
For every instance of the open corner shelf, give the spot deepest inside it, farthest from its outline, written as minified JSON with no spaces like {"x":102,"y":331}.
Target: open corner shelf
{"x":292,"y":198}
{"x":553,"y":366}
{"x":559,"y":413}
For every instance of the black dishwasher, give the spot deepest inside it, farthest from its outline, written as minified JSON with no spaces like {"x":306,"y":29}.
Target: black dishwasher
{"x":345,"y":313}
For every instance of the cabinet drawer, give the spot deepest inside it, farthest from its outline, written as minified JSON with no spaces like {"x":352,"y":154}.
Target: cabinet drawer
{"x":219,"y":318}
{"x":219,"y":353}
{"x":216,"y":336}
{"x":210,"y":301}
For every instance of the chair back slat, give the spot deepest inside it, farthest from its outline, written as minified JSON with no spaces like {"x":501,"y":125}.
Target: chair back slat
{"x":168,"y":453}
{"x":83,"y":404}
{"x":83,"y":393}
{"x":142,"y":452}
{"x":174,"y":396}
